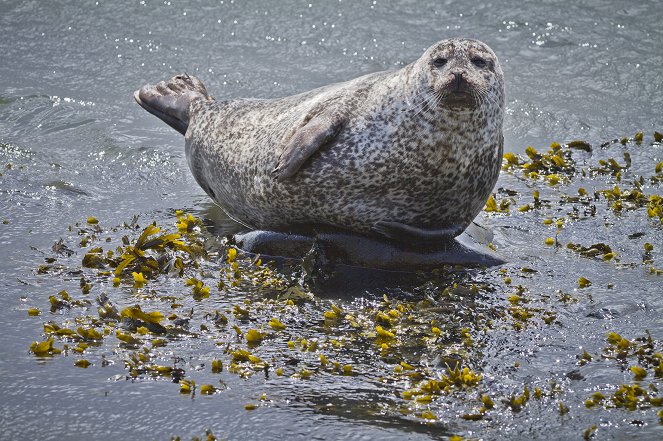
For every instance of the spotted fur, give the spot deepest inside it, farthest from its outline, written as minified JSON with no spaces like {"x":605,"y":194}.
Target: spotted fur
{"x":407,"y":151}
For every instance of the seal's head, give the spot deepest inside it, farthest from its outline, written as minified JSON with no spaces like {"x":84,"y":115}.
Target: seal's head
{"x":462,"y":74}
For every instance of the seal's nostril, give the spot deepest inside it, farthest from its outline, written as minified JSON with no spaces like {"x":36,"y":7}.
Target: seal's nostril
{"x":459,"y":82}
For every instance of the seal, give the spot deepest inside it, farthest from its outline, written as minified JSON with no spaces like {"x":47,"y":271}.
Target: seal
{"x":410,"y":154}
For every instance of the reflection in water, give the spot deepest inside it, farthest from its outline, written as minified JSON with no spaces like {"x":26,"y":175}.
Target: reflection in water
{"x":216,"y":220}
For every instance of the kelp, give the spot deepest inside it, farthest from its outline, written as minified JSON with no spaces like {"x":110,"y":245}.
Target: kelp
{"x":165,"y":288}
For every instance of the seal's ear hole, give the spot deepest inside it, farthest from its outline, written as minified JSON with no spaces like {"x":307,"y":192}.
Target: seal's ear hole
{"x":439,"y":62}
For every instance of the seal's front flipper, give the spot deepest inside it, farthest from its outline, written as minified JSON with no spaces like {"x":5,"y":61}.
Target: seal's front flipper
{"x":170,"y":100}
{"x":409,"y":234}
{"x":306,"y":140}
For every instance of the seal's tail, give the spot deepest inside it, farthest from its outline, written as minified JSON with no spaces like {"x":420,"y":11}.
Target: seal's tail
{"x":170,"y":100}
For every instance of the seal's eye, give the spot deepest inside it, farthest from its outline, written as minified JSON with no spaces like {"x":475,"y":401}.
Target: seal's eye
{"x":479,"y":62}
{"x":439,"y":62}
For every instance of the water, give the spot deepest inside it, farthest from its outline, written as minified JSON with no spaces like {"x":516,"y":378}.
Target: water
{"x":73,"y":144}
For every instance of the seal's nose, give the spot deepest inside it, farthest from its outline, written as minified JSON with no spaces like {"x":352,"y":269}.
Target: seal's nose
{"x":459,"y":84}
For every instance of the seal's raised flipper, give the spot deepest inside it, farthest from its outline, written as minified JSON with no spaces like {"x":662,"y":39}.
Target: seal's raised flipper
{"x":170,"y":100}
{"x":306,"y":140}
{"x":408,"y":234}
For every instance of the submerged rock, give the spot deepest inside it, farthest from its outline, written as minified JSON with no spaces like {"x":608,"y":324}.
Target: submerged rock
{"x":342,"y":248}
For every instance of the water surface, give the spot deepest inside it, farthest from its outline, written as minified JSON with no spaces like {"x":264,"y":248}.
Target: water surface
{"x":73,"y":144}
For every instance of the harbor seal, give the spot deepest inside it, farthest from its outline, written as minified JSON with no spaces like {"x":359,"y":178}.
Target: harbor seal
{"x":410,"y":155}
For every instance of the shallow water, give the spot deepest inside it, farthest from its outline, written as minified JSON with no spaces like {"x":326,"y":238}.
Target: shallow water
{"x":73,"y":144}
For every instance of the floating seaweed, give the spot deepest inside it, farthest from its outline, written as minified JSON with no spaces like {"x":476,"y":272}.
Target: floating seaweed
{"x":167,"y":287}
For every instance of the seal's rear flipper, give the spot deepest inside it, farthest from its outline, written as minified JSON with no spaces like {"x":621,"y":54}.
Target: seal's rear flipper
{"x":170,"y":100}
